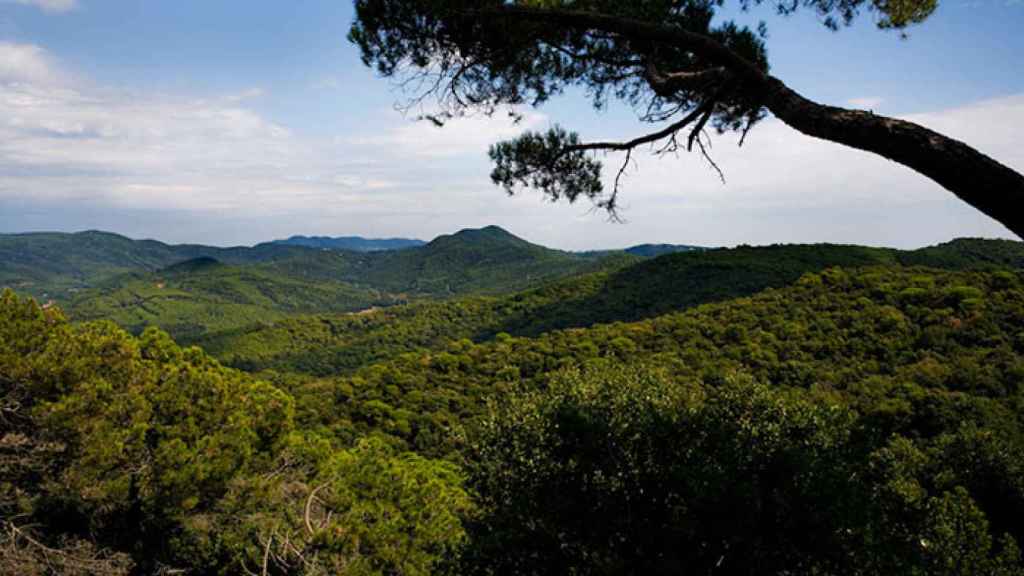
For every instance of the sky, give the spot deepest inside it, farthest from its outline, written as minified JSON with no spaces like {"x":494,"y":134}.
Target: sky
{"x":233,"y":122}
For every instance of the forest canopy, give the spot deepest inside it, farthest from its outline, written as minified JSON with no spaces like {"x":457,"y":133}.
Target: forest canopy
{"x":859,"y":417}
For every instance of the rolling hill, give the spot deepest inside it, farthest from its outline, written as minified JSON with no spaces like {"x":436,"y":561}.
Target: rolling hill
{"x":488,"y":260}
{"x":331,"y":344}
{"x":199,"y":296}
{"x":53,"y":265}
{"x":193,"y":291}
{"x":57,"y":266}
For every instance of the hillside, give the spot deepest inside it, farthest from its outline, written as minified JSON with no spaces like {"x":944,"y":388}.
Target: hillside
{"x":194,"y":291}
{"x":954,"y":331}
{"x":50,"y":265}
{"x":885,"y":398}
{"x":488,"y":260}
{"x":199,"y":296}
{"x":332,"y":344}
{"x":58,"y":265}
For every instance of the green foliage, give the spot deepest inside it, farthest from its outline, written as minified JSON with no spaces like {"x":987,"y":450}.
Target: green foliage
{"x":671,"y":61}
{"x":136,"y":446}
{"x":367,"y":510}
{"x":624,"y":471}
{"x":546,"y":161}
{"x":192,"y":299}
{"x":774,"y":413}
{"x":396,"y":514}
{"x":330,"y":345}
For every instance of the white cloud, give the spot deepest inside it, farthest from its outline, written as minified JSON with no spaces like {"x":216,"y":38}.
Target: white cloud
{"x":26,"y":64}
{"x":466,"y":136}
{"x":55,"y":6}
{"x":63,"y":140}
{"x":784,"y":186}
{"x":865,"y":102}
{"x":94,"y":155}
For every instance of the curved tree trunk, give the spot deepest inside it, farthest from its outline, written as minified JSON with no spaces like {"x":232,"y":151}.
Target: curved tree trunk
{"x":975,"y":178}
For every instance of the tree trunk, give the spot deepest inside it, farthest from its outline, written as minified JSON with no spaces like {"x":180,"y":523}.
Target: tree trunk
{"x":975,"y":178}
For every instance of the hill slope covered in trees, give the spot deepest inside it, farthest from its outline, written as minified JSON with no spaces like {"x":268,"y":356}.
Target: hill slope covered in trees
{"x":146,"y":283}
{"x":489,"y":260}
{"x":867,"y":418}
{"x":330,"y":344}
{"x":194,"y":298}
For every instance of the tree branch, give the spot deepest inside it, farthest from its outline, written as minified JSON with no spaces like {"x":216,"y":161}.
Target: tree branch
{"x":974,"y":177}
{"x":639,"y":141}
{"x":667,"y":84}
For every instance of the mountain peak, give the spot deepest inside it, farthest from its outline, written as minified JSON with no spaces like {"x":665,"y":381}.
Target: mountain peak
{"x":491,"y":233}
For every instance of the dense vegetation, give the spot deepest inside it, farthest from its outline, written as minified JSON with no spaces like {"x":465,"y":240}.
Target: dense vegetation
{"x":119,"y":452}
{"x":804,"y":418}
{"x":182,"y":290}
{"x":57,"y":266}
{"x":332,"y":344}
{"x":201,"y":296}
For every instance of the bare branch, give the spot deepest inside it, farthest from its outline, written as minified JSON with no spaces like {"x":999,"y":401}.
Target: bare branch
{"x":309,"y":509}
{"x":639,"y":141}
{"x":266,"y":555}
{"x":707,"y":108}
{"x":707,"y":157}
{"x":668,"y":83}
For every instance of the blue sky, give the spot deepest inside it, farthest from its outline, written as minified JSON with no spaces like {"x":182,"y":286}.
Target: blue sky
{"x":233,"y":122}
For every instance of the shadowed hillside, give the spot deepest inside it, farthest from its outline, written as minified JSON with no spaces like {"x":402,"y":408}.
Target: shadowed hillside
{"x":330,"y":344}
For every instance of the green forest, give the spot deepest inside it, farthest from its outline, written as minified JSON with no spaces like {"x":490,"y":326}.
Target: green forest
{"x":260,"y":314}
{"x":805,"y":409}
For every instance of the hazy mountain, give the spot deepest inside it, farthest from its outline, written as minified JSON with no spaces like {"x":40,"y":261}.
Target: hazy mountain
{"x":354,"y":243}
{"x":484,"y":260}
{"x":655,"y":250}
{"x":98,"y":274}
{"x":57,"y":265}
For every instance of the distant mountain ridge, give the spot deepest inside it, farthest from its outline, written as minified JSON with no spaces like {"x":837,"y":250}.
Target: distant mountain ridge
{"x":655,"y":250}
{"x":197,"y":291}
{"x":191,"y":290}
{"x":475,"y":260}
{"x":490,"y":259}
{"x":353,"y":243}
